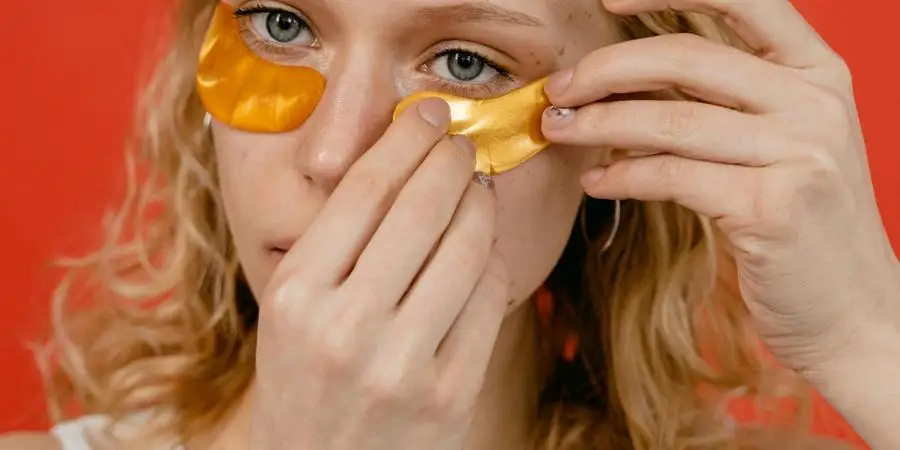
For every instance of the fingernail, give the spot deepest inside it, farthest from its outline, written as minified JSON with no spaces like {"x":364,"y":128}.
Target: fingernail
{"x":558,"y":117}
{"x":593,"y":176}
{"x":435,"y":111}
{"x":483,"y":179}
{"x":464,"y":143}
{"x":559,"y":82}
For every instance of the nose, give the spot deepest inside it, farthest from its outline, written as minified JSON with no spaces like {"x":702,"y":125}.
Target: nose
{"x":353,"y":113}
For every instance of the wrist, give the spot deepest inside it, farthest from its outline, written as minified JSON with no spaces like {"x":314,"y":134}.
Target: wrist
{"x":862,"y":378}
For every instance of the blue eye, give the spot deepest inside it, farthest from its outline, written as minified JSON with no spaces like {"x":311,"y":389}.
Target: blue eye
{"x":278,"y":26}
{"x":283,"y":27}
{"x":464,"y":66}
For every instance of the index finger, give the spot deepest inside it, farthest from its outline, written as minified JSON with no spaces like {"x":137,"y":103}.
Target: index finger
{"x":331,"y":245}
{"x":775,"y":29}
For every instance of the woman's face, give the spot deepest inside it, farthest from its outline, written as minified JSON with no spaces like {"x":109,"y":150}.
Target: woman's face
{"x":373,"y":54}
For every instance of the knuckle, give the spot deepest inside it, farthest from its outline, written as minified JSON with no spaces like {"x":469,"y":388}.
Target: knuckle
{"x":425,"y":209}
{"x":469,"y":250}
{"x":678,"y":120}
{"x":446,"y":402}
{"x":688,"y":40}
{"x":822,"y":172}
{"x":681,"y":54}
{"x":841,"y":72}
{"x":495,"y":281}
{"x":788,"y":195}
{"x":472,"y":229}
{"x":281,"y":299}
{"x":385,"y":386}
{"x":335,"y":351}
{"x":495,"y":289}
{"x":598,"y":62}
{"x":279,"y":309}
{"x":459,"y":160}
{"x":592,"y":63}
{"x":821,"y":165}
{"x":669,"y":168}
{"x":832,"y":111}
{"x":370,"y":184}
{"x":482,"y":217}
{"x":596,"y":119}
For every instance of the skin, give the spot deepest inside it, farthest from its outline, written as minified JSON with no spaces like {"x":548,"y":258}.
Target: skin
{"x":308,"y":184}
{"x":793,"y":197}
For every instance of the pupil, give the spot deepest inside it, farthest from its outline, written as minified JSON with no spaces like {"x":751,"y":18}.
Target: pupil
{"x":283,"y":27}
{"x":465,"y":61}
{"x":465,"y":66}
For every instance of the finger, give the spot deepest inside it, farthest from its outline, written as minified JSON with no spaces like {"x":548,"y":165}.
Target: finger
{"x":774,"y":28}
{"x":711,"y":189}
{"x":466,"y":351}
{"x":441,"y":290}
{"x":709,"y":71}
{"x":689,"y":129}
{"x":332,"y":243}
{"x":414,"y":225}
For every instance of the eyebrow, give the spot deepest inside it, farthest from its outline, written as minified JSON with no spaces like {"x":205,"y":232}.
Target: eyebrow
{"x":478,"y":12}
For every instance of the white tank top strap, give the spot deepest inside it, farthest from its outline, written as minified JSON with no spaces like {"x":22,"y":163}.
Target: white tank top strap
{"x":72,"y":434}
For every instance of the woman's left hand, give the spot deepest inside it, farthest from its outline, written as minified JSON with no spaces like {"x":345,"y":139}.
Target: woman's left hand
{"x":774,"y":154}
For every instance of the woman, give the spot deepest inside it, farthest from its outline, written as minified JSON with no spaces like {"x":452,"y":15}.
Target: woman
{"x":347,"y":285}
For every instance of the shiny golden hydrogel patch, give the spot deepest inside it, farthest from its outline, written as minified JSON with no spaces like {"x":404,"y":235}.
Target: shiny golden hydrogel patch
{"x":506,"y":130}
{"x":242,"y":90}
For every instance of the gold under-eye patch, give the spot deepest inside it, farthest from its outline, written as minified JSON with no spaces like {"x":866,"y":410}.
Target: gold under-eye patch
{"x":506,"y":130}
{"x":242,"y":90}
{"x":246,"y":92}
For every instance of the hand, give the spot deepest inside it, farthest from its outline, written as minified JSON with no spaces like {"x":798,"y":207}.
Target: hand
{"x":774,"y":155}
{"x":377,"y":327}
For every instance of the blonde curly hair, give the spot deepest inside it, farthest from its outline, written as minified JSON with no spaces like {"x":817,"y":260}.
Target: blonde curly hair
{"x":665,"y":339}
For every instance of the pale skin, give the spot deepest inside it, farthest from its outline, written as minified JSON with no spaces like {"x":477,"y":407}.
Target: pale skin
{"x":387,"y":368}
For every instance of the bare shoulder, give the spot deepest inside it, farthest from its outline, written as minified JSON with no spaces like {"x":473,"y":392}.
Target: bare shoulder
{"x":29,"y":441}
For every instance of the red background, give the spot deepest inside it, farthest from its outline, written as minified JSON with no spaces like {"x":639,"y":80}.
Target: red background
{"x":71,"y":71}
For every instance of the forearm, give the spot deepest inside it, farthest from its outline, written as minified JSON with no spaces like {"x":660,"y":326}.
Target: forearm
{"x":864,"y":383}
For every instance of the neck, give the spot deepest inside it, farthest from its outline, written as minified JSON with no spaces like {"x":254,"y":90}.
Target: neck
{"x":505,"y":415}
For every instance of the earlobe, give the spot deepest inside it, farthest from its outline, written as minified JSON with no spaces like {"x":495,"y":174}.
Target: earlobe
{"x":243,"y":91}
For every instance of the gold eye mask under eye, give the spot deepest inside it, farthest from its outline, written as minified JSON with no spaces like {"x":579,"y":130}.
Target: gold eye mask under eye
{"x":241,"y":89}
{"x":506,"y":130}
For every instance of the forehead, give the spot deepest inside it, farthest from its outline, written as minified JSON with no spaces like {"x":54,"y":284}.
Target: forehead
{"x":546,"y":13}
{"x":553,"y":32}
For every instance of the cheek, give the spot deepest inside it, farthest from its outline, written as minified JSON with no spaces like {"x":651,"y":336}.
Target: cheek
{"x":538,"y":202}
{"x":241,"y":172}
{"x":263,"y":195}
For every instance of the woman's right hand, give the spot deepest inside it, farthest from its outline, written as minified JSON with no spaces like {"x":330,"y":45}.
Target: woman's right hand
{"x":377,"y":327}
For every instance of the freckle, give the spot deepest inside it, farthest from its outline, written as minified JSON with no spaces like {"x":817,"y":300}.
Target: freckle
{"x":561,"y":51}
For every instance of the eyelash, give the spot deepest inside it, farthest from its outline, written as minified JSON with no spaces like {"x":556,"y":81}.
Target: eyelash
{"x":470,"y":89}
{"x":245,"y":13}
{"x":503,"y":79}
